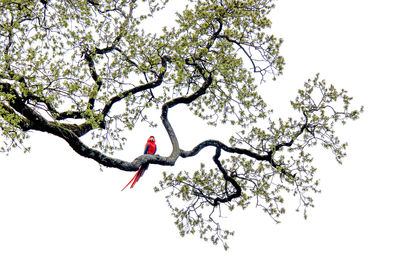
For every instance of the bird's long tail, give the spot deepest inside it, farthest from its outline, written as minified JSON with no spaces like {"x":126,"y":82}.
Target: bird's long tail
{"x":137,"y":176}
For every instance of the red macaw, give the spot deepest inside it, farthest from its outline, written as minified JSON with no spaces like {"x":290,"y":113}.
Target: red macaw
{"x":150,"y":148}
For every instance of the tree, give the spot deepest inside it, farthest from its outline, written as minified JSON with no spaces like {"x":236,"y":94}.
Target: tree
{"x":74,"y":68}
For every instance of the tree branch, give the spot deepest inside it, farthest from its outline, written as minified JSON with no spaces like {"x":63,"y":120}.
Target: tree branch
{"x":288,"y":144}
{"x":181,"y":100}
{"x":22,"y":123}
{"x":218,"y":144}
{"x":95,"y":76}
{"x":238,"y":189}
{"x":137,"y":89}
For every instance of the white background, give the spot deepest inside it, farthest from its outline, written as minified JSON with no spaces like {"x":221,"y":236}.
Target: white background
{"x":58,"y":209}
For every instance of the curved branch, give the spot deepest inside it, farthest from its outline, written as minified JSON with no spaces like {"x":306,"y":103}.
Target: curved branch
{"x":137,"y":89}
{"x":218,"y":144}
{"x":290,"y":143}
{"x":242,"y":48}
{"x":181,"y":100}
{"x":238,"y":189}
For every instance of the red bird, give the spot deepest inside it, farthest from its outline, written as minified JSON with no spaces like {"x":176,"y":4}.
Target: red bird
{"x":150,"y":148}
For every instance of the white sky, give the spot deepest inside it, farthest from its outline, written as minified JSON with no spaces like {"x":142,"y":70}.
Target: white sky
{"x":58,"y":209}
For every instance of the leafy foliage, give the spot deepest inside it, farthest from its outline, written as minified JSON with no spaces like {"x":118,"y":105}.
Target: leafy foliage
{"x":77,"y":68}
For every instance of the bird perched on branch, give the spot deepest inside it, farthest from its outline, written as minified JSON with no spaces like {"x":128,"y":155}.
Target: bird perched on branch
{"x":150,"y":148}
